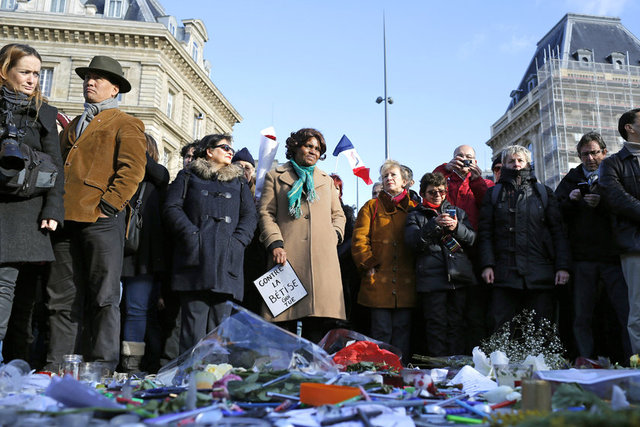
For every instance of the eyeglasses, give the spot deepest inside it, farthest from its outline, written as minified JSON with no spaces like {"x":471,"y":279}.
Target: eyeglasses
{"x":434,"y":193}
{"x":593,"y":153}
{"x":497,"y":168}
{"x":225,"y":147}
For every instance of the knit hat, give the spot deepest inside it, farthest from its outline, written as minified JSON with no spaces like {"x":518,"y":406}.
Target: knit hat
{"x":245,"y":155}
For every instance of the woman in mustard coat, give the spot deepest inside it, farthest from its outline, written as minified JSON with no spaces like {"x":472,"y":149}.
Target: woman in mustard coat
{"x":386,"y":265}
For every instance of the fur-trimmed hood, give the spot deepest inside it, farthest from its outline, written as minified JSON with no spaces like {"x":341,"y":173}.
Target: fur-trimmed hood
{"x":205,"y":170}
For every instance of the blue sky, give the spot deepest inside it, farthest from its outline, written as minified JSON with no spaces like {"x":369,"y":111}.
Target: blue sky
{"x":311,"y":63}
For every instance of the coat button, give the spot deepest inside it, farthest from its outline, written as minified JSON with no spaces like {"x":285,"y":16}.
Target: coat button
{"x":395,"y":243}
{"x":393,"y":292}
{"x":395,"y":269}
{"x":306,"y":216}
{"x":75,"y":146}
{"x":393,"y":281}
{"x":68,"y":164}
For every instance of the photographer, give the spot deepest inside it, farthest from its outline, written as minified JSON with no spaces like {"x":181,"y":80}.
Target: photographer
{"x":24,"y":222}
{"x":592,"y":249}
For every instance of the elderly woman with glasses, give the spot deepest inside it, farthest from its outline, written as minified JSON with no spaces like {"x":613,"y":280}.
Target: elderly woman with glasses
{"x":302,"y":222}
{"x":440,"y":235}
{"x":210,"y":212}
{"x":386,"y":265}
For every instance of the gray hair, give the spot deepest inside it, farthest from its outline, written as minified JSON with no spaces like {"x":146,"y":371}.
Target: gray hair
{"x":516,"y":149}
{"x":390,"y":164}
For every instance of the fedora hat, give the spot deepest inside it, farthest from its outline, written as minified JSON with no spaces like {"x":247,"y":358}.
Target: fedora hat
{"x":109,"y":68}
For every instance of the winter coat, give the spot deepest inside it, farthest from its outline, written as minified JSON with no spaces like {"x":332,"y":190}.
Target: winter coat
{"x":310,"y":241}
{"x":437,"y":268}
{"x":150,"y":258}
{"x":21,"y":238}
{"x":589,"y":228}
{"x":464,"y":193}
{"x":105,"y":165}
{"x":620,"y":187}
{"x":523,"y":242}
{"x":212,"y":218}
{"x":378,"y":242}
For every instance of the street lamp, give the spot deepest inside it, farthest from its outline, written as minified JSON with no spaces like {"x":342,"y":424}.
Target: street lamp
{"x":387,"y":99}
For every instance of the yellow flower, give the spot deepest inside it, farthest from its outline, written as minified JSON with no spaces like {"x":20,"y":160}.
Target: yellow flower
{"x":219,"y":371}
{"x":634,"y":361}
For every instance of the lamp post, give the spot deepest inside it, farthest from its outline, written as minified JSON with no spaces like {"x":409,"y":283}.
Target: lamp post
{"x":387,"y":99}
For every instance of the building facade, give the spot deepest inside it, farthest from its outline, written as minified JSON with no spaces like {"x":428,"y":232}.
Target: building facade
{"x":584,"y":75}
{"x":172,"y":92}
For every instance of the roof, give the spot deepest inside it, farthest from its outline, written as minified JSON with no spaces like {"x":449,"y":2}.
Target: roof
{"x":598,"y":34}
{"x":138,"y":10}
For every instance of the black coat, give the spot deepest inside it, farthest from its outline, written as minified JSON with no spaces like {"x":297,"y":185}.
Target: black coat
{"x":620,"y":186}
{"x":212,"y":223}
{"x":589,"y":228}
{"x":21,"y":238}
{"x":150,"y":257}
{"x":436,"y":266}
{"x":523,"y":242}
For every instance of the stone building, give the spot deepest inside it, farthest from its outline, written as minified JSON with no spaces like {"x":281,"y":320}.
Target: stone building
{"x":584,"y":74}
{"x":171,"y":93}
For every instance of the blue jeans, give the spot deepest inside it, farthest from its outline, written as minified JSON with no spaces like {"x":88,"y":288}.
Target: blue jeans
{"x":140,"y":299}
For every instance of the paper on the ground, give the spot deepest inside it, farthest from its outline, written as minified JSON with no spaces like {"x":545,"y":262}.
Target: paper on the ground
{"x":586,"y":376}
{"x":396,"y":417}
{"x":472,"y":381}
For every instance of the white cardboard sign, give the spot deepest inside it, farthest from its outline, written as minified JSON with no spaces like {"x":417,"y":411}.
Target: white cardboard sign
{"x":280,"y":288}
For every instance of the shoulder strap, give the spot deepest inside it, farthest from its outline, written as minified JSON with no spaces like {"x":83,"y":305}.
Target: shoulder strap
{"x":375,"y":212}
{"x":542,"y":192}
{"x":187,"y":175}
{"x":496,"y":193}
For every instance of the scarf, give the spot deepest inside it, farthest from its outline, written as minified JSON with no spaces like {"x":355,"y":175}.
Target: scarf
{"x":426,"y":204}
{"x":397,"y":199}
{"x":633,"y":147}
{"x":304,"y":182}
{"x":13,"y":101}
{"x":92,"y":110}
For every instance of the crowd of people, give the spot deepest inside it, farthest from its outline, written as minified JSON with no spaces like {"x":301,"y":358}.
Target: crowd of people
{"x":432,"y":272}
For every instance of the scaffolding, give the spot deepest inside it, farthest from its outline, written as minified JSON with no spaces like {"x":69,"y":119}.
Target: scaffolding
{"x":577,"y":97}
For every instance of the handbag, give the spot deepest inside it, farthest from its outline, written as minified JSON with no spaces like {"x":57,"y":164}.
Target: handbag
{"x":37,"y":176}
{"x":134,"y":227}
{"x":459,"y":267}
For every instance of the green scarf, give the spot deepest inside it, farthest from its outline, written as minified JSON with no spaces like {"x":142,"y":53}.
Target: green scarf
{"x":304,"y":182}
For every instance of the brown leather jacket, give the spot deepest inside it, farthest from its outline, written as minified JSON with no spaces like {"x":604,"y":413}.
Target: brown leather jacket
{"x":106,"y":164}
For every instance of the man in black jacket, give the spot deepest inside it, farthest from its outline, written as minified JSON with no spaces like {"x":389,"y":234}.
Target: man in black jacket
{"x":593,"y":252}
{"x":620,"y":175}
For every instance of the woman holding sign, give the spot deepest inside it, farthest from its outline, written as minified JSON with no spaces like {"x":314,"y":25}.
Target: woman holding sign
{"x":210,"y":210}
{"x":302,"y":222}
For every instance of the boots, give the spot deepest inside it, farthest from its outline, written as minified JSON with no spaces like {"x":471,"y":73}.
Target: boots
{"x":132,"y":353}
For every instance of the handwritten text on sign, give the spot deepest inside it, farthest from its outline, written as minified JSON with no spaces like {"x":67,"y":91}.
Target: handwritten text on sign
{"x":280,"y":288}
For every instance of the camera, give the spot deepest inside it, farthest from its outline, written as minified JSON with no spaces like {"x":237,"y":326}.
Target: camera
{"x":584,"y":188}
{"x":11,"y":157}
{"x":466,"y":163}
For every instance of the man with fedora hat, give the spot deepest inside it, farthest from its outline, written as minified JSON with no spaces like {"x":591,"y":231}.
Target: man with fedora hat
{"x":104,"y":161}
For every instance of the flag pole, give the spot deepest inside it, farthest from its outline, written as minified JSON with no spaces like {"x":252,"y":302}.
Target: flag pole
{"x":357,"y":194}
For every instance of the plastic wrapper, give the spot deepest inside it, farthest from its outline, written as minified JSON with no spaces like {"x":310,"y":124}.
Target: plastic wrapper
{"x":246,"y":340}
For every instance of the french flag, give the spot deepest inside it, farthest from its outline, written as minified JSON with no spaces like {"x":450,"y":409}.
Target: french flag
{"x":346,"y":147}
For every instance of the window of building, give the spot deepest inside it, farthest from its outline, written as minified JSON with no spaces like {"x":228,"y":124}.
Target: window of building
{"x":195,"y":51}
{"x":172,"y":28}
{"x":8,"y":4}
{"x":46,"y":77}
{"x":58,"y":6}
{"x":531,"y":84}
{"x":197,"y":118}
{"x":114,"y":8}
{"x":584,"y":56}
{"x":170,"y":97}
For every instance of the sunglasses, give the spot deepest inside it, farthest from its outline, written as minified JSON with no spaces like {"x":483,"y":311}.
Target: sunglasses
{"x":225,"y":147}
{"x":436,"y":192}
{"x":497,"y":168}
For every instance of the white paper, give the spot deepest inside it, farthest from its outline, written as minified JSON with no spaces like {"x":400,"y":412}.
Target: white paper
{"x":472,"y":381}
{"x":268,"y":150}
{"x":586,"y":376}
{"x":280,"y":288}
